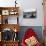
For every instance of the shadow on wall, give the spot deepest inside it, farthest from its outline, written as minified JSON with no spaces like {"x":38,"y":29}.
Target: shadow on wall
{"x":37,"y":29}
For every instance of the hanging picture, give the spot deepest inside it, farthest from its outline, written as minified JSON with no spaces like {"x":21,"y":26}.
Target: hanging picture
{"x":29,"y":14}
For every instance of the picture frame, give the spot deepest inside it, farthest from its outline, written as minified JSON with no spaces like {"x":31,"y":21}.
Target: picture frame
{"x":30,"y":14}
{"x":5,"y":12}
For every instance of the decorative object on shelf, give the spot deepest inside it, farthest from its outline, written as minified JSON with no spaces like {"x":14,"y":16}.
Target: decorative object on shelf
{"x":31,"y":13}
{"x":13,"y":12}
{"x":5,"y":12}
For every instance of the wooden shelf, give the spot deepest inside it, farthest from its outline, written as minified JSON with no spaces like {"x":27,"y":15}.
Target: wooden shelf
{"x":9,"y":43}
{"x":4,"y":24}
{"x":11,"y":26}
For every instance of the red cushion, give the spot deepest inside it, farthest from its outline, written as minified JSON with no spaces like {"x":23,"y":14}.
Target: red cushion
{"x":29,"y":33}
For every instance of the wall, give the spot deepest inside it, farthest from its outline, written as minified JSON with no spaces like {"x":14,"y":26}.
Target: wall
{"x":7,"y":3}
{"x":27,"y":4}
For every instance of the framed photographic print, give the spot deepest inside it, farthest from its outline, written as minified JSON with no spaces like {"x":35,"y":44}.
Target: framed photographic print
{"x":29,"y":14}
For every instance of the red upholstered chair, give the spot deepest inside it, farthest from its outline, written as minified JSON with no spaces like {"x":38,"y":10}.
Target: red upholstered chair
{"x":29,"y":33}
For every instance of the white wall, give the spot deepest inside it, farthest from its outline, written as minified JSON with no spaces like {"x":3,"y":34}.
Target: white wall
{"x":7,"y":3}
{"x":27,"y":4}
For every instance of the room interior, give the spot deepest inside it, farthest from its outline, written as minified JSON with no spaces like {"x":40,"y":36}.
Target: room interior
{"x":16,"y":16}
